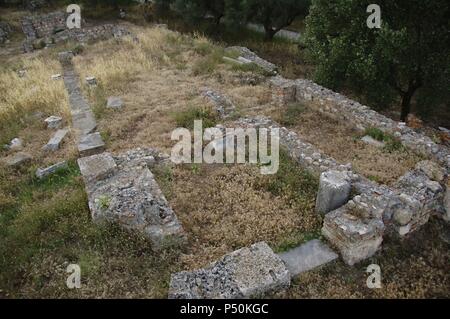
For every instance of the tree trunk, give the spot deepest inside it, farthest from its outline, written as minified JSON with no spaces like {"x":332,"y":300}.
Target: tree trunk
{"x":269,"y":34}
{"x":406,"y":106}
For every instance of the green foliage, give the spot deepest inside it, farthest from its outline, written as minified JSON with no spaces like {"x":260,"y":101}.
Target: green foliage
{"x":291,"y":113}
{"x":392,"y":144}
{"x":291,"y":180}
{"x":186,"y":118}
{"x":375,"y":133}
{"x":408,"y":53}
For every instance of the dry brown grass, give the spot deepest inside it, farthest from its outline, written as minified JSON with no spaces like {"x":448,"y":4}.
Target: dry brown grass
{"x":343,"y":143}
{"x":223,"y":208}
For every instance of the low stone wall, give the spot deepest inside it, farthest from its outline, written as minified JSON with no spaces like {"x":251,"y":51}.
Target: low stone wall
{"x":123,"y":190}
{"x":41,"y":30}
{"x":340,"y":107}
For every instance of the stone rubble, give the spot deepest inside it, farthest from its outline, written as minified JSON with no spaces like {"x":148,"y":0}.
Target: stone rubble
{"x":223,"y":105}
{"x":15,"y":145}
{"x":91,"y":81}
{"x":128,"y":194}
{"x":371,"y":141}
{"x":245,"y":273}
{"x":56,"y":140}
{"x":42,"y":173}
{"x":53,"y":122}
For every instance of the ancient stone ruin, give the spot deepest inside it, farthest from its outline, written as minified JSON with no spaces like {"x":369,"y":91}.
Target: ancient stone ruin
{"x":123,"y":190}
{"x":48,"y":29}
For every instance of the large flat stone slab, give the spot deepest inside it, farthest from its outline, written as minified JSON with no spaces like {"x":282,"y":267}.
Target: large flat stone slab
{"x":307,"y":256}
{"x":129,"y":195}
{"x":245,"y":273}
{"x":84,"y":122}
{"x":91,"y":144}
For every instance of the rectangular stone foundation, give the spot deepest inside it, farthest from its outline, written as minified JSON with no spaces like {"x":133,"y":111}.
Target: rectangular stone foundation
{"x":245,"y":273}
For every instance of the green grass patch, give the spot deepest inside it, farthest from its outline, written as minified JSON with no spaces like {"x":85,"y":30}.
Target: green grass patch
{"x":296,"y":239}
{"x":186,"y":118}
{"x":392,"y":144}
{"x":290,"y":115}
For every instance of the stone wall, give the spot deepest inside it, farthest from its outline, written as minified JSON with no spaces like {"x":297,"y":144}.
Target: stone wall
{"x":346,"y":110}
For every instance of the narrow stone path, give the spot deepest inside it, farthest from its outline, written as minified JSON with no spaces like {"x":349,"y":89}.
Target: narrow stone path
{"x":83,"y":119}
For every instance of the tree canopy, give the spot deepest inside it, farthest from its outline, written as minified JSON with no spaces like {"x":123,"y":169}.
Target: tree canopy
{"x":408,"y":55}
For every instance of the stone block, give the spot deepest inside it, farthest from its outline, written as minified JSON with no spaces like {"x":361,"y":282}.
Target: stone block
{"x":371,"y":141}
{"x":18,"y":159}
{"x":97,"y":167}
{"x":307,"y":256}
{"x":114,"y":102}
{"x":53,"y":122}
{"x":354,"y":232}
{"x":44,"y":172}
{"x":246,"y":273}
{"x":334,"y":191}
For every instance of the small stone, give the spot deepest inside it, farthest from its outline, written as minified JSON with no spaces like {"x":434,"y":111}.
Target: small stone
{"x":404,"y":230}
{"x":55,"y":142}
{"x":447,"y":203}
{"x":91,"y":144}
{"x":19,"y":159}
{"x":334,"y":191}
{"x":15,"y":145}
{"x":114,"y":102}
{"x":56,"y":77}
{"x":53,"y":122}
{"x":44,"y":172}
{"x":21,"y":73}
{"x":91,"y":81}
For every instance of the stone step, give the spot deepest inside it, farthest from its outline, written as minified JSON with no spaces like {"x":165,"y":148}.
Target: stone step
{"x":244,"y":273}
{"x":84,"y":122}
{"x":307,"y":257}
{"x":91,"y":144}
